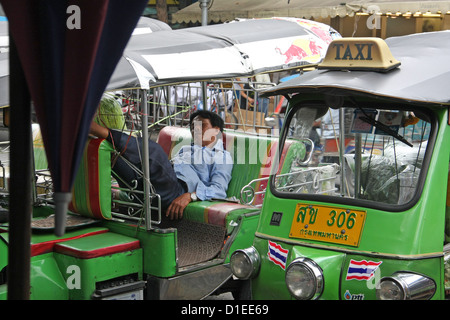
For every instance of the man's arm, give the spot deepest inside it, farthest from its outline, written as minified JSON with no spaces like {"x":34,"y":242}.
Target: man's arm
{"x":99,"y":131}
{"x":216,"y":187}
{"x":216,"y":184}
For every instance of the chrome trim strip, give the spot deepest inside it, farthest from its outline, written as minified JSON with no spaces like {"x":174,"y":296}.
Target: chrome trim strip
{"x":350,"y":251}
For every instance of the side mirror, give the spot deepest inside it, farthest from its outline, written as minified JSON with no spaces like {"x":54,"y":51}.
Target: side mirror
{"x":309,"y":145}
{"x":270,"y":121}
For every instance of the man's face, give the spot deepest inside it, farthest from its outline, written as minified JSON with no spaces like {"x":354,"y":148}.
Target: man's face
{"x":203,"y":132}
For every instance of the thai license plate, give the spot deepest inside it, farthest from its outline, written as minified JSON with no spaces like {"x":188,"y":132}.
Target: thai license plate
{"x":328,"y":224}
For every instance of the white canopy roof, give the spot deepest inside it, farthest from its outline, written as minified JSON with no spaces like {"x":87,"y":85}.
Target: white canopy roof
{"x":237,"y":49}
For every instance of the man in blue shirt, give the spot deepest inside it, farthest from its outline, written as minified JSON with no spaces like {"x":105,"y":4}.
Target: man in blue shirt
{"x":201,"y":171}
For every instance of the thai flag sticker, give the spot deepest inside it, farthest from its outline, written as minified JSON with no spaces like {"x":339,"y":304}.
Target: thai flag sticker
{"x":277,"y":254}
{"x":362,"y":270}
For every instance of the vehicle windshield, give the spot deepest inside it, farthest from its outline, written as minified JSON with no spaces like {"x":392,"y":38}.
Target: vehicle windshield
{"x":359,"y":153}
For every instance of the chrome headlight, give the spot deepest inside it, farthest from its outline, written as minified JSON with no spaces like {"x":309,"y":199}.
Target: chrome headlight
{"x":304,"y":279}
{"x":245,"y":263}
{"x":406,"y":286}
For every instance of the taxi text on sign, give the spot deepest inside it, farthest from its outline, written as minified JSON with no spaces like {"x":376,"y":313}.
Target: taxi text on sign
{"x":364,"y":54}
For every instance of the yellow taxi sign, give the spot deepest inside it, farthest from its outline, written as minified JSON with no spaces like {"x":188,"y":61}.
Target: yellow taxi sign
{"x":359,"y":54}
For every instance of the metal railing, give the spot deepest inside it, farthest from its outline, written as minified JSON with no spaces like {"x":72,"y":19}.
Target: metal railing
{"x":317,"y":180}
{"x":238,"y":102}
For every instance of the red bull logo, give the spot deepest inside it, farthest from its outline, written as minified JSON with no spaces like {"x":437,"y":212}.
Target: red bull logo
{"x":293,"y":52}
{"x":302,"y":49}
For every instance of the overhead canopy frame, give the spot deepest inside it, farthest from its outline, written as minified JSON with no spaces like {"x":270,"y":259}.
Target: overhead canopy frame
{"x":225,"y":10}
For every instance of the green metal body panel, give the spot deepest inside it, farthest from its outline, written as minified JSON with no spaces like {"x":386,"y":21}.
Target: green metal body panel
{"x":97,"y":270}
{"x":245,"y":214}
{"x":243,"y":234}
{"x":160,"y":245}
{"x":159,"y":248}
{"x":3,"y":252}
{"x":47,"y":279}
{"x":61,"y":276}
{"x":270,"y":283}
{"x":329,"y":261}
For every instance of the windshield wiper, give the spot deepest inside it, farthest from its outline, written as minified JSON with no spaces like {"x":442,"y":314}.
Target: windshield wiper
{"x":385,"y":129}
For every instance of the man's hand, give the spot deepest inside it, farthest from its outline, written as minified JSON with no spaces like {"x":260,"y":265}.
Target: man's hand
{"x":176,"y":208}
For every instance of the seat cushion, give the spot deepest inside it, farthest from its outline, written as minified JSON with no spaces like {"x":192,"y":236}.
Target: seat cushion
{"x":97,"y":245}
{"x":45,"y":242}
{"x":218,"y":213}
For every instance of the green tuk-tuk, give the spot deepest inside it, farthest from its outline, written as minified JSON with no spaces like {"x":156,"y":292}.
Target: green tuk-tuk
{"x":368,"y":216}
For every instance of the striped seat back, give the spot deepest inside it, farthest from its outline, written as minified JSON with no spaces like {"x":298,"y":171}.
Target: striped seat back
{"x":91,"y":193}
{"x":40,"y":158}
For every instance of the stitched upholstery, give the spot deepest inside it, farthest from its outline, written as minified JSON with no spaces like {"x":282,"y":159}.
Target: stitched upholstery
{"x":98,"y":245}
{"x":91,"y":193}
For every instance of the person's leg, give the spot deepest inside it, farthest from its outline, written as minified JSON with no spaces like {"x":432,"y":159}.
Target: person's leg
{"x":263,"y":105}
{"x":162,"y":176}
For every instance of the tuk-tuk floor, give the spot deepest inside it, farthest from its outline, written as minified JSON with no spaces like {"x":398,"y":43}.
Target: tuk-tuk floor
{"x":198,"y":242}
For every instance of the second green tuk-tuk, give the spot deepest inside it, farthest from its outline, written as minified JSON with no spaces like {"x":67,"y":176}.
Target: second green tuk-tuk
{"x":367,"y":217}
{"x":115,"y":245}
